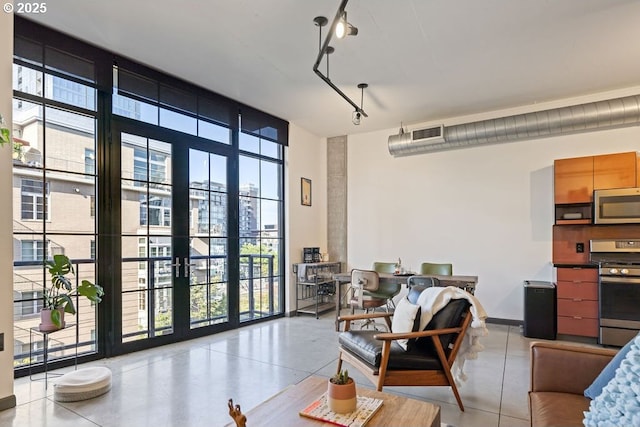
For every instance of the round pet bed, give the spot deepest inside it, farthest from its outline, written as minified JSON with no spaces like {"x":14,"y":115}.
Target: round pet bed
{"x":85,"y":383}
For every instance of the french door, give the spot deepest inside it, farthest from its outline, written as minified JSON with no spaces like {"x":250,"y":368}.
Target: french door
{"x":173,"y":241}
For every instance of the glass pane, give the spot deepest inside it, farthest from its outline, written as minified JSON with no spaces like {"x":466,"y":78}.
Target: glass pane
{"x":214,"y":132}
{"x":27,"y":131}
{"x":269,"y":218}
{"x":198,"y":168}
{"x":134,"y":157}
{"x":217,"y":214}
{"x":249,"y":143}
{"x":270,"y":149}
{"x":71,"y":203}
{"x":132,"y":215}
{"x":218,"y":172}
{"x":249,"y":176}
{"x":159,"y":162}
{"x":133,"y":109}
{"x":70,"y":92}
{"x":27,"y":80}
{"x":269,"y":182}
{"x":68,"y":135}
{"x":270,"y":251}
{"x":180,"y":122}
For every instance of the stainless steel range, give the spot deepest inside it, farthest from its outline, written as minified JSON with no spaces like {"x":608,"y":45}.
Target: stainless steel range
{"x":618,"y":289}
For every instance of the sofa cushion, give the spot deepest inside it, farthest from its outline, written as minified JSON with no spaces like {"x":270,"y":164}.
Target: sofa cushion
{"x":619,"y":402}
{"x":404,"y":320}
{"x":607,"y":373}
{"x":557,"y":409}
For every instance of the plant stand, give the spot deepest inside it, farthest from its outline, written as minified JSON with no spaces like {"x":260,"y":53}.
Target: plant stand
{"x":35,"y":331}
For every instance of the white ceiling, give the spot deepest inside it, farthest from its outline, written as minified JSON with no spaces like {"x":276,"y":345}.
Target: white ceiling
{"x":424,"y":60}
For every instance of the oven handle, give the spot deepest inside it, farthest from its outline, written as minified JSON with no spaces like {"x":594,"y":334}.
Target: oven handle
{"x":611,"y":279}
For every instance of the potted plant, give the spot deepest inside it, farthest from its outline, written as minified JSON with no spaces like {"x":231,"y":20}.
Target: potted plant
{"x":58,"y":298}
{"x":341,"y":394}
{"x":5,"y":134}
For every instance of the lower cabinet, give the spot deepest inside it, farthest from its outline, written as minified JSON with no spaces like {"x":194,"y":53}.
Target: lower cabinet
{"x":577,"y":295}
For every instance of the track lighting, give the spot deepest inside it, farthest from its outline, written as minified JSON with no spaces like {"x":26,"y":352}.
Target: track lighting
{"x":357,"y":114}
{"x":343,"y":28}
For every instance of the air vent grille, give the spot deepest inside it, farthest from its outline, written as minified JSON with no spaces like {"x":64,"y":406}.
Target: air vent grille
{"x":435,"y":132}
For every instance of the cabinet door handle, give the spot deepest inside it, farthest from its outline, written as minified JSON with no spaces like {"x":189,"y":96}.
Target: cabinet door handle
{"x":577,"y":281}
{"x":577,"y":317}
{"x":577,"y":299}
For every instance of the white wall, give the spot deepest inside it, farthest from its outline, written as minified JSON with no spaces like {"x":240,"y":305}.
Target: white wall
{"x":488,"y":210}
{"x":306,"y":225}
{"x":6,"y":250}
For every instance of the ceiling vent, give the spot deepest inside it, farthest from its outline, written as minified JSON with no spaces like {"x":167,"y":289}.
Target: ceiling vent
{"x":418,"y":137}
{"x":609,"y":114}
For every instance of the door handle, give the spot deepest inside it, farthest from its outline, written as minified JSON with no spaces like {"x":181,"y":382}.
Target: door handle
{"x":176,"y":265}
{"x":187,"y":267}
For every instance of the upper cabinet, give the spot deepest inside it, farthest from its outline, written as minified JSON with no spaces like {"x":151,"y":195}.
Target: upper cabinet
{"x":573,"y":180}
{"x":576,"y":178}
{"x":614,"y":171}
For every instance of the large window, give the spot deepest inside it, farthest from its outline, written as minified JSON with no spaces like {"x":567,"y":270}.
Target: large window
{"x":96,"y":177}
{"x":55,"y":184}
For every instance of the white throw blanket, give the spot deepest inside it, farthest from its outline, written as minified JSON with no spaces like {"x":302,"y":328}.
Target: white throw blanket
{"x":431,"y":300}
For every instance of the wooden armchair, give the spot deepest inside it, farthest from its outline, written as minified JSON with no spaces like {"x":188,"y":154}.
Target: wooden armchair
{"x":429,"y":356}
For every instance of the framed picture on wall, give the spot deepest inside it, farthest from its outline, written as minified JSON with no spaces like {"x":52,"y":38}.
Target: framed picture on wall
{"x":305,"y":191}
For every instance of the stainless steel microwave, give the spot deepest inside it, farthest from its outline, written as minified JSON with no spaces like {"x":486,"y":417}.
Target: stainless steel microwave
{"x":616,"y":206}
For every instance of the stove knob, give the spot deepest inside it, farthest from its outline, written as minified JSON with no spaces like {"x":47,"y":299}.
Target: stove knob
{"x":624,"y":271}
{"x":613,"y":270}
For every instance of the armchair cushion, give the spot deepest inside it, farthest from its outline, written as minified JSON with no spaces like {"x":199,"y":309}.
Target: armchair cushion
{"x":447,"y":316}
{"x":366,"y":347}
{"x":405,"y":319}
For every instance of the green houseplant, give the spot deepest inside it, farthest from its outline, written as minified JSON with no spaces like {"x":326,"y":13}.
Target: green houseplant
{"x":58,"y":297}
{"x":5,"y":134}
{"x":341,"y":394}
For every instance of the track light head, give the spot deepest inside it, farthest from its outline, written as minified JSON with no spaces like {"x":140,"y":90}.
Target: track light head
{"x":343,"y":28}
{"x":355,"y":117}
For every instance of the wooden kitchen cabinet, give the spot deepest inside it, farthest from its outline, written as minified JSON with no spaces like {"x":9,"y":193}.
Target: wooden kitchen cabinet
{"x":570,"y":244}
{"x":577,"y":298}
{"x":615,"y":170}
{"x":573,"y":180}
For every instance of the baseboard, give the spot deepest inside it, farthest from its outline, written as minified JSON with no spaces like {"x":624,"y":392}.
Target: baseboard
{"x":8,"y":402}
{"x":510,"y":322}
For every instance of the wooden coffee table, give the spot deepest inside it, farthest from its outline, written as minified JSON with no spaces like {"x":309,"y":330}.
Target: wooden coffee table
{"x":283,"y":408}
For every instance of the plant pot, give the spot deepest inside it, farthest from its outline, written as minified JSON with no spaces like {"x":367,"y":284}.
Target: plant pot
{"x":46,"y":324}
{"x":341,"y":398}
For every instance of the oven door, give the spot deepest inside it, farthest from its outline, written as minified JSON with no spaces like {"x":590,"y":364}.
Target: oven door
{"x":619,"y":309}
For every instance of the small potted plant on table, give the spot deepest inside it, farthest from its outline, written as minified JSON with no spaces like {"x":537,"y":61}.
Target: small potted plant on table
{"x":341,"y":395}
{"x":58,"y":298}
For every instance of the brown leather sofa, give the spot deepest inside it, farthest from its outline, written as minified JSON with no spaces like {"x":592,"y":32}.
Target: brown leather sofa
{"x":559,"y":375}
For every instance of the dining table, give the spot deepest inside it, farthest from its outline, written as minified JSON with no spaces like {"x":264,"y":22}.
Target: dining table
{"x":466,"y":282}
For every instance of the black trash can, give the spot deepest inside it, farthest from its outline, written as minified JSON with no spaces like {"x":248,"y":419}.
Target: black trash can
{"x":540,"y":313}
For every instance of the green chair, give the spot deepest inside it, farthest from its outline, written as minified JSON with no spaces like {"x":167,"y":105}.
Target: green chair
{"x":384,"y":267}
{"x":427,"y":268}
{"x":386,"y":290}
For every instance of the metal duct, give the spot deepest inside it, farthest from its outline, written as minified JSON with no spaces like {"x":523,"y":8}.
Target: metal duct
{"x":613,"y":113}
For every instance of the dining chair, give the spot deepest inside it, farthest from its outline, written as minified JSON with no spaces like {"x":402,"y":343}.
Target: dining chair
{"x":365,"y":285}
{"x":387,"y":290}
{"x":435,"y":268}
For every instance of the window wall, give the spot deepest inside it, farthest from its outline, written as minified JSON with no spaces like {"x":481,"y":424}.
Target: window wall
{"x":123,"y":204}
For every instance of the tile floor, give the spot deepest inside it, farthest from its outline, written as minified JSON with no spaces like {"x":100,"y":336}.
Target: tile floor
{"x":188,"y":384}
